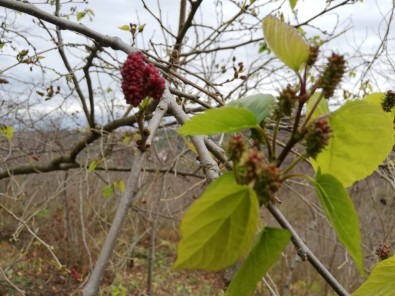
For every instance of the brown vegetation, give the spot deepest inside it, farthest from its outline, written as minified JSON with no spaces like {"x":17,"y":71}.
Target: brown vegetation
{"x":69,"y":212}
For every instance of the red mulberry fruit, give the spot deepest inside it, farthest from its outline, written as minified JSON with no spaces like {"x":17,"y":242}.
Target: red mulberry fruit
{"x":140,"y":80}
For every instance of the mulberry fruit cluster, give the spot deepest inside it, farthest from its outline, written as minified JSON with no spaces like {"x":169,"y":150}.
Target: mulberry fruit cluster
{"x":333,"y":74}
{"x":384,"y":250}
{"x":265,"y":177}
{"x":286,"y":101}
{"x":318,"y":134}
{"x":140,"y":80}
{"x":268,"y":183}
{"x":253,"y":162}
{"x":235,"y":148}
{"x":313,"y":55}
{"x":389,"y":101}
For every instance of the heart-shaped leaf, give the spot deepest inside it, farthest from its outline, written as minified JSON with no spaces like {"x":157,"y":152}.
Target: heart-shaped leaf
{"x":219,"y":227}
{"x":363,"y":136}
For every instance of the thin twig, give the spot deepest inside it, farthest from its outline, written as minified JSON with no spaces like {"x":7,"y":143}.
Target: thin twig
{"x":22,"y":292}
{"x":92,"y":286}
{"x":48,"y":247}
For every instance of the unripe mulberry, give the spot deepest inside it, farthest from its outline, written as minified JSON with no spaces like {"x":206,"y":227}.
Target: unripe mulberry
{"x":140,"y":80}
{"x":313,"y":55}
{"x":384,"y":250}
{"x":253,"y":162}
{"x":332,"y":75}
{"x":236,"y":147}
{"x":388,"y":102}
{"x":286,"y":101}
{"x":268,"y":183}
{"x":318,"y":134}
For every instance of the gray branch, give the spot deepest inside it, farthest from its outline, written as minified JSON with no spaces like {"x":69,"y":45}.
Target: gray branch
{"x":104,"y":40}
{"x":92,"y":286}
{"x":305,"y":253}
{"x":211,"y":170}
{"x":210,"y":167}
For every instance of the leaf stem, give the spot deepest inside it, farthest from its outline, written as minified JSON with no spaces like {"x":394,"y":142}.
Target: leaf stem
{"x":274,"y":138}
{"x":308,"y":117}
{"x":294,"y":136}
{"x":267,"y":142}
{"x":294,"y":163}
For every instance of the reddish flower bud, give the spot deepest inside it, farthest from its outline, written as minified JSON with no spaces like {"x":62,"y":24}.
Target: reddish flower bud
{"x":75,"y":274}
{"x":252,"y":161}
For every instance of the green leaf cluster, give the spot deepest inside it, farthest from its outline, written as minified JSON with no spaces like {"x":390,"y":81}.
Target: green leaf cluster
{"x":82,"y":14}
{"x":7,"y":132}
{"x":292,"y":3}
{"x":219,"y":228}
{"x":110,"y":189}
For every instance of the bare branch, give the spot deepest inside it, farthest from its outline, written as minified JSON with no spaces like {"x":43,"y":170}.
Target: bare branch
{"x":92,"y":286}
{"x":210,"y":167}
{"x":305,"y":253}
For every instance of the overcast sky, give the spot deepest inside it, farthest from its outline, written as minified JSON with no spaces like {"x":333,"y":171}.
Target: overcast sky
{"x":365,"y":19}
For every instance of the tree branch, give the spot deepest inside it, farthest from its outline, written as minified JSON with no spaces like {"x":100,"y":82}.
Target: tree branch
{"x":67,"y":162}
{"x":210,"y":167}
{"x":30,"y":9}
{"x":66,"y":63}
{"x":183,"y":28}
{"x":104,"y":40}
{"x":92,"y":286}
{"x":305,"y":253}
